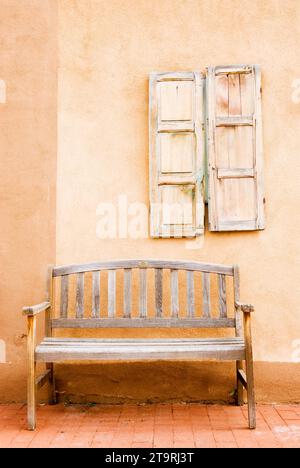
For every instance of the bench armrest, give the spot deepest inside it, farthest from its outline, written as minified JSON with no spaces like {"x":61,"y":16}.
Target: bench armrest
{"x":31,"y":311}
{"x":245,"y":308}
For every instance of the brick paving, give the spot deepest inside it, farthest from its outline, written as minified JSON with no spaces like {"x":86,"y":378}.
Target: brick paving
{"x":150,"y":426}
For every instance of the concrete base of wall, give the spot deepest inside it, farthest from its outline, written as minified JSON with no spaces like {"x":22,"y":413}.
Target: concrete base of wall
{"x":172,"y":381}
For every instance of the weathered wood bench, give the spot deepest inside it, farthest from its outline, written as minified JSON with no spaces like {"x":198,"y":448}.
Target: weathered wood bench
{"x":53,"y":349}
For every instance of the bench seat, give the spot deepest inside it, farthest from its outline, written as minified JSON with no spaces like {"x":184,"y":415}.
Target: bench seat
{"x":68,"y":349}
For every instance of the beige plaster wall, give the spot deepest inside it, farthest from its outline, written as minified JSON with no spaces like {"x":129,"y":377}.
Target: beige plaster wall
{"x":28,"y":66}
{"x":106,"y":52}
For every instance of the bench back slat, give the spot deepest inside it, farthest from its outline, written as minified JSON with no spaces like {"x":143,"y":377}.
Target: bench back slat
{"x":174,"y":294}
{"x":143,"y":293}
{"x":190,"y":293}
{"x":127,"y":298}
{"x":64,"y":294}
{"x":206,"y":294}
{"x":80,"y":295}
{"x":222,"y":296}
{"x":158,"y":292}
{"x":111,"y":293}
{"x":96,"y":294}
{"x":107,"y":315}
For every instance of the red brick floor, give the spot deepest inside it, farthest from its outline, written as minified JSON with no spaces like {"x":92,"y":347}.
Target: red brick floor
{"x":159,"y":425}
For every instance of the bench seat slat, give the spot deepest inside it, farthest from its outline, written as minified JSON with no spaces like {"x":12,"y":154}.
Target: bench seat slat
{"x":58,"y":350}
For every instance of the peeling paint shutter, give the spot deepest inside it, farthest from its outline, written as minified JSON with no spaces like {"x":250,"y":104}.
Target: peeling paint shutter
{"x":235,"y":160}
{"x":176,"y":154}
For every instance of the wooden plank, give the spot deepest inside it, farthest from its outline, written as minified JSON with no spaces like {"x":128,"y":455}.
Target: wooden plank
{"x":178,"y":127}
{"x":238,"y":313}
{"x":36,"y":309}
{"x":143,"y":323}
{"x":172,"y":76}
{"x":191,"y":349}
{"x":244,"y":121}
{"x":165,"y":264}
{"x":176,"y":152}
{"x":174,"y":294}
{"x":96,"y":294}
{"x":111,"y":293}
{"x":259,"y":150}
{"x":51,"y":298}
{"x":127,"y":300}
{"x":222,"y":296}
{"x":206,"y":295}
{"x":64,"y":296}
{"x":42,"y":379}
{"x":242,"y":378}
{"x":233,"y":69}
{"x":190,"y":290}
{"x":235,"y":107}
{"x":221,"y":96}
{"x":249,"y":372}
{"x":177,"y":180}
{"x":80,"y":295}
{"x":158,"y":292}
{"x":143,"y":293}
{"x":231,"y":173}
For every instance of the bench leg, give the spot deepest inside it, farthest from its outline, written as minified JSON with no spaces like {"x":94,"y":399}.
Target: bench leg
{"x":240,"y":388}
{"x":52,"y":390}
{"x":31,"y":385}
{"x":251,"y":394}
{"x":250,"y":373}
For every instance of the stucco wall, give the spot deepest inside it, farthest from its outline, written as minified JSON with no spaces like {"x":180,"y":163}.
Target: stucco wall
{"x":28,"y":43}
{"x":107,"y":50}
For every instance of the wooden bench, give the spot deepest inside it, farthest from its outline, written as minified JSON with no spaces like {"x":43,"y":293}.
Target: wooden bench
{"x":237,"y":347}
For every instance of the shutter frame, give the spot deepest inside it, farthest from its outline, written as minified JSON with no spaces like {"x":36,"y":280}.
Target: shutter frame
{"x":183,"y":180}
{"x":216,"y":172}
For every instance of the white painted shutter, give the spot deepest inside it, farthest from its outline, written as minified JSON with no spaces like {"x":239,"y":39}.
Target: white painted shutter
{"x":235,"y":159}
{"x":176,"y":154}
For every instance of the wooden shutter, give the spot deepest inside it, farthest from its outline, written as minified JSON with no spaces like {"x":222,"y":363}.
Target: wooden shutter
{"x":176,"y":154}
{"x":235,"y":160}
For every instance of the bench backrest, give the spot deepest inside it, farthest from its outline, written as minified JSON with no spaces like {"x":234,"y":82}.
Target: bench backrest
{"x":87,"y":313}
